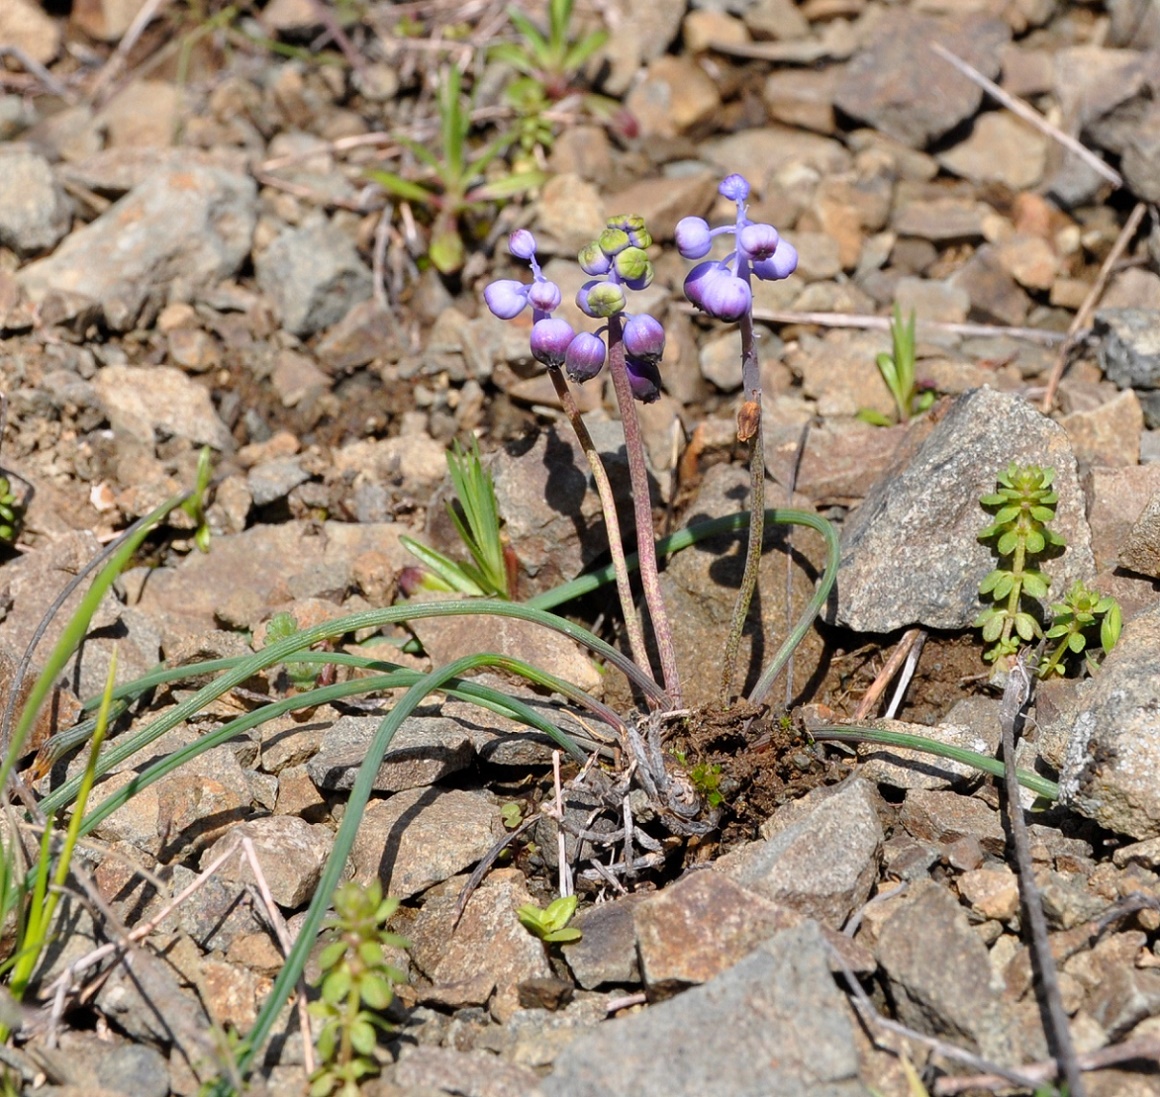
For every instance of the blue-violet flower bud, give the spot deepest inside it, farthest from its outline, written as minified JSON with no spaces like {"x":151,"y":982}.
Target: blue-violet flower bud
{"x":522,"y":244}
{"x":781,"y":265}
{"x":645,"y":379}
{"x":506,"y":298}
{"x":601,"y":299}
{"x":693,"y":237}
{"x":734,"y":187}
{"x":544,"y":295}
{"x":758,"y":241}
{"x":714,"y":290}
{"x":593,"y":261}
{"x":550,"y":340}
{"x":644,"y":338}
{"x":584,"y":358}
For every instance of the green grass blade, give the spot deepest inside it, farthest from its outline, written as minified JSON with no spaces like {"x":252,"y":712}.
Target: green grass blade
{"x":1041,"y":786}
{"x":74,"y":632}
{"x":400,"y":187}
{"x":278,"y":652}
{"x":343,"y":843}
{"x":821,"y":594}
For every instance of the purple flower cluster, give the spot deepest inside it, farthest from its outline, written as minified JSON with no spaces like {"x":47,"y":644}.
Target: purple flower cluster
{"x":617,"y":261}
{"x":721,"y":287}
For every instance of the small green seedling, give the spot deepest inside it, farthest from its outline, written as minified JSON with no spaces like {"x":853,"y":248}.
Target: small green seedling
{"x":898,"y":371}
{"x":303,"y":676}
{"x":551,"y":925}
{"x":11,"y":513}
{"x":457,"y":185}
{"x":1081,"y":610}
{"x":550,"y":60}
{"x":511,"y":814}
{"x":705,"y":777}
{"x":1023,"y":506}
{"x":357,"y":984}
{"x":478,"y":526}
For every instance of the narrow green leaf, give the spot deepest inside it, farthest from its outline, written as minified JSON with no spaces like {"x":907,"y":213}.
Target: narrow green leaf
{"x":400,"y":187}
{"x":508,"y":187}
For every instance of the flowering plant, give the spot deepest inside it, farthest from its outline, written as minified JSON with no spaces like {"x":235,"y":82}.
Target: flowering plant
{"x":722,"y":289}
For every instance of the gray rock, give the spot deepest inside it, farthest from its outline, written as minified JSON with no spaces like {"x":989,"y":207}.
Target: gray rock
{"x":911,"y":554}
{"x":488,"y":939}
{"x":269,"y":566}
{"x":1128,"y":345}
{"x":1118,"y":499}
{"x":273,"y":480}
{"x":1141,"y":551}
{"x":422,"y":837}
{"x":1113,"y":741}
{"x":939,"y":972}
{"x":822,"y":865}
{"x":470,"y":1073}
{"x":314,"y":275}
{"x":902,"y":767}
{"x":290,"y":852}
{"x":696,"y":928}
{"x":644,"y":31}
{"x":995,"y":295}
{"x":1109,"y":434}
{"x":135,"y":1070}
{"x":937,"y":816}
{"x":217,"y":914}
{"x":773,"y":1023}
{"x":424,"y":750}
{"x":155,"y":402}
{"x":1000,"y":149}
{"x":180,"y":228}
{"x":34,"y":211}
{"x":700,"y":588}
{"x":902,"y":89}
{"x":606,"y":954}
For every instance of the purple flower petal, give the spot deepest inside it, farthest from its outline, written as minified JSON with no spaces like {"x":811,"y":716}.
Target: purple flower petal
{"x":551,"y":338}
{"x":758,"y":241}
{"x":734,"y":187}
{"x":727,"y":297}
{"x":585,"y":357}
{"x":522,"y":244}
{"x":645,"y":379}
{"x":699,"y":278}
{"x":644,"y":338}
{"x":781,"y":265}
{"x":544,"y":295}
{"x":506,"y":298}
{"x":693,"y":237}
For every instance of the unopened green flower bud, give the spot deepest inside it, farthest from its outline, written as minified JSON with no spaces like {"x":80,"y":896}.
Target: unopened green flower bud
{"x":592,"y":259}
{"x":613,"y":240}
{"x":633,"y":225}
{"x":634,"y":267}
{"x":605,"y":299}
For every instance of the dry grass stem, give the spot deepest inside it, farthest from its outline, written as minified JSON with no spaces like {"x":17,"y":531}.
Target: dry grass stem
{"x":278,"y":924}
{"x":1082,"y":318}
{"x":884,"y":677}
{"x":1030,"y":115}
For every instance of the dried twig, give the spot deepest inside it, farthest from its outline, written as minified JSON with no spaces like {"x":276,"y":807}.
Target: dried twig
{"x":872,"y":1019}
{"x":1082,"y":317}
{"x":1015,"y":698}
{"x":882,"y":323}
{"x":36,"y":69}
{"x":1030,"y":115}
{"x":116,"y":62}
{"x":904,"y":678}
{"x":1144,"y":1049}
{"x":278,"y":924}
{"x":886,"y":674}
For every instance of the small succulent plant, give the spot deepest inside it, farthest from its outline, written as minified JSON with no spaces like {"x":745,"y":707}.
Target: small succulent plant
{"x":1023,"y":506}
{"x":356,"y":983}
{"x":550,"y":924}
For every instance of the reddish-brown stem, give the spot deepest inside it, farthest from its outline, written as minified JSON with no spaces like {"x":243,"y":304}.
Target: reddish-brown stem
{"x":642,"y":507}
{"x":632,"y":625}
{"x":748,"y":429}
